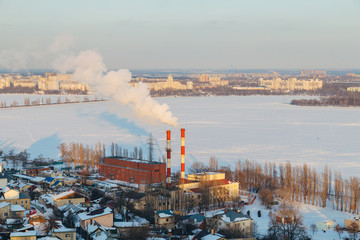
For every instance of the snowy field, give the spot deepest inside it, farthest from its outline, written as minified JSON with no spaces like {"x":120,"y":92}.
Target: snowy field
{"x":311,"y":215}
{"x":260,"y":128}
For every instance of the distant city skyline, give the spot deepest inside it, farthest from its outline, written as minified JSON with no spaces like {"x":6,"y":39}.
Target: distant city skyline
{"x":186,"y":34}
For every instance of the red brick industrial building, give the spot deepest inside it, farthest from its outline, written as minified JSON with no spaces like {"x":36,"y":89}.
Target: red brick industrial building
{"x":35,"y":171}
{"x":131,"y":170}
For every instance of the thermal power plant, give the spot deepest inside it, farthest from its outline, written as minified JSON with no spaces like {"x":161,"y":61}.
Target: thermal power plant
{"x":182,"y":175}
{"x":168,"y":157}
{"x":133,"y":170}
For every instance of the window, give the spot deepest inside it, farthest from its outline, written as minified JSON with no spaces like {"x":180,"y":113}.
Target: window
{"x":167,"y":220}
{"x":67,"y":235}
{"x":6,"y":214}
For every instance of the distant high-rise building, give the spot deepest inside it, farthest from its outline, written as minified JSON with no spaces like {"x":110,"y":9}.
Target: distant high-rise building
{"x":203,"y":78}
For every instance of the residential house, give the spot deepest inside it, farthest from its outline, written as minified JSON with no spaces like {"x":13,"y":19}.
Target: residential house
{"x":205,"y":235}
{"x":17,"y":211}
{"x":15,"y":197}
{"x":65,"y":233}
{"x":195,"y":219}
{"x":29,"y":235}
{"x":103,"y":216}
{"x":3,"y":180}
{"x":62,"y":232}
{"x":4,"y":210}
{"x":165,"y":219}
{"x":348,"y":222}
{"x":53,"y":182}
{"x":134,"y":224}
{"x":70,"y":196}
{"x":229,"y":220}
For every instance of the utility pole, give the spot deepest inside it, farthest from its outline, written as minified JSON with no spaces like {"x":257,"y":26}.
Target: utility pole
{"x":151,"y":148}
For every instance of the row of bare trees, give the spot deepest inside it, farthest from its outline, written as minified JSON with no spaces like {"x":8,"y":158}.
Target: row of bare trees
{"x":299,"y":183}
{"x":118,"y":151}
{"x":76,"y":154}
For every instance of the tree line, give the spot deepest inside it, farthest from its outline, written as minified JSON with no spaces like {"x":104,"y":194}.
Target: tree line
{"x":297,"y":183}
{"x":89,"y":158}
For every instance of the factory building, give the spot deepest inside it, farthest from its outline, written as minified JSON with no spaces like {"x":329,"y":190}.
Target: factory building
{"x":133,"y":170}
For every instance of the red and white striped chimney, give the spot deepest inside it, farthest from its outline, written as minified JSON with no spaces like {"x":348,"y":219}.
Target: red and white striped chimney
{"x":168,"y":157}
{"x":182,"y":176}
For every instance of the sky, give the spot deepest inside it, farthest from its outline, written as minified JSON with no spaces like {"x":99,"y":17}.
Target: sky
{"x":206,"y":34}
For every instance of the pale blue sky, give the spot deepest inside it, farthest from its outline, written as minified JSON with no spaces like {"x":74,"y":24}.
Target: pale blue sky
{"x":186,"y":33}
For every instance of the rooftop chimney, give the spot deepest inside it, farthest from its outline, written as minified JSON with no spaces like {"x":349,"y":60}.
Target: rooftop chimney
{"x":168,"y":157}
{"x":182,"y":176}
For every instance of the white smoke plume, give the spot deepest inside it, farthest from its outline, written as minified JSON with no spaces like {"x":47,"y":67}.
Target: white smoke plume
{"x":88,"y":67}
{"x":62,"y":43}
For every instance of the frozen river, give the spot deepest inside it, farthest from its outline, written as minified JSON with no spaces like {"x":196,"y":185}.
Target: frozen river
{"x":260,"y":128}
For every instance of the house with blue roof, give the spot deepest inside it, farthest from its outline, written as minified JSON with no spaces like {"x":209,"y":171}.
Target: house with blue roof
{"x":165,"y":219}
{"x":195,"y":219}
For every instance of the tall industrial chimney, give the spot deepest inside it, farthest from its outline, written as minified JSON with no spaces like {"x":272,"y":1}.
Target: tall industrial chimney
{"x":168,"y":157}
{"x":182,"y":176}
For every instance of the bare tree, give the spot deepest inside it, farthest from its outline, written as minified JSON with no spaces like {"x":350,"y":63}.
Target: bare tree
{"x":353,"y":229}
{"x":339,"y":230}
{"x":197,"y":167}
{"x":213,"y":164}
{"x":287,"y":224}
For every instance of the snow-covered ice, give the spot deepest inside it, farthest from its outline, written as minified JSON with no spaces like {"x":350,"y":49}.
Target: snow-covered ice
{"x":260,"y":128}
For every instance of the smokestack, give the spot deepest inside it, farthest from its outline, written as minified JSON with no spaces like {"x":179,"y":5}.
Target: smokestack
{"x":182,"y":176}
{"x":168,"y":158}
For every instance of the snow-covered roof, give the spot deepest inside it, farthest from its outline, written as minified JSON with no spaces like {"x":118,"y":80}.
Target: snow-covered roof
{"x":26,"y":227}
{"x":165,"y":213}
{"x":75,"y":208}
{"x":122,"y":183}
{"x":61,"y":230}
{"x":205,"y":235}
{"x":94,"y":214}
{"x":49,"y":238}
{"x":64,"y":194}
{"x":23,"y":234}
{"x":17,"y":208}
{"x":10,"y":221}
{"x":127,"y":224}
{"x":4,"y":204}
{"x":230,"y":216}
{"x":38,"y":179}
{"x":48,"y":198}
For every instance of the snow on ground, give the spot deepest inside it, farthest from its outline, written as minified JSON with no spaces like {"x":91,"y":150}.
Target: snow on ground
{"x":311,"y":214}
{"x":260,"y":128}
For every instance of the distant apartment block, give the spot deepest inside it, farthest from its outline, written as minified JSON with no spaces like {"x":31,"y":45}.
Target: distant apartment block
{"x":49,"y":82}
{"x":353,"y":89}
{"x":168,"y":84}
{"x":291,"y":84}
{"x":213,"y":79}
